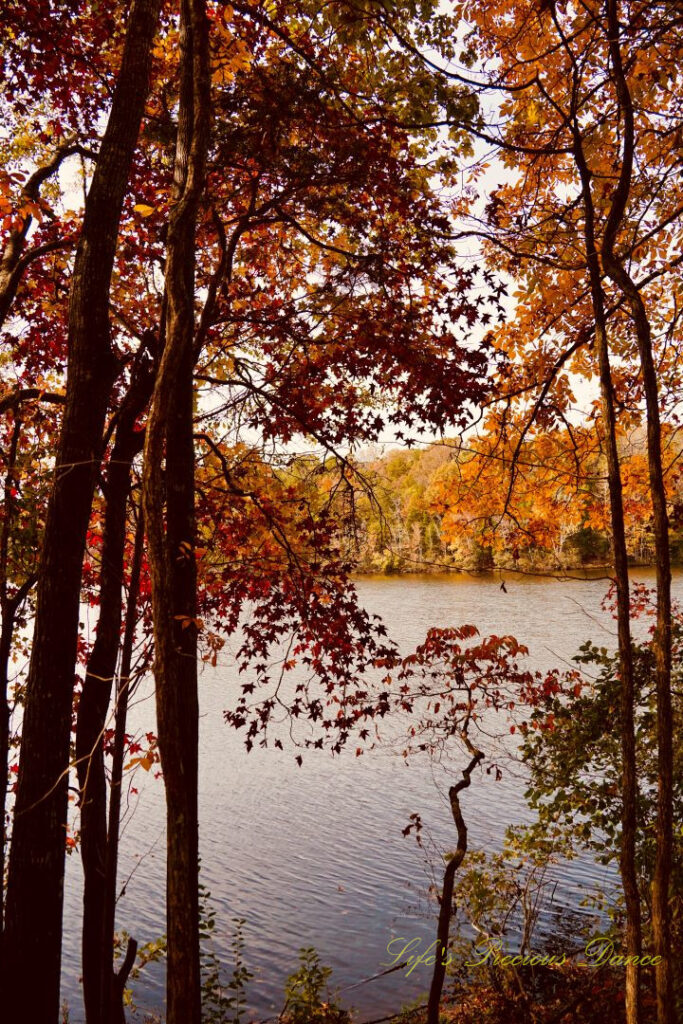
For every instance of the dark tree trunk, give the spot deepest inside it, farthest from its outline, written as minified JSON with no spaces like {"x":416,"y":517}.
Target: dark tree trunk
{"x":33,"y":925}
{"x":8,"y":610}
{"x":5,"y":650}
{"x":661,"y":915}
{"x":629,"y":781}
{"x":661,"y":924}
{"x":93,"y":706}
{"x":171,"y":551}
{"x":112,"y":985}
{"x":446,"y":907}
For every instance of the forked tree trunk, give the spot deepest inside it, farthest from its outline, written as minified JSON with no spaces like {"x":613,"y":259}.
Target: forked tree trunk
{"x":629,"y":782}
{"x":93,"y":706}
{"x":171,"y":549}
{"x":33,"y":914}
{"x":616,"y":270}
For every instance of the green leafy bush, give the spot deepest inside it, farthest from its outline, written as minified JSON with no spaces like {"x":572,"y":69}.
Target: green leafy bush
{"x":307,"y":999}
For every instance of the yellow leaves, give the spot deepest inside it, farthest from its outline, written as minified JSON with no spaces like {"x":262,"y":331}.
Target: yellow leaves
{"x":161,"y":50}
{"x":229,"y":53}
{"x":23,"y":142}
{"x":143,"y":209}
{"x":166,"y":50}
{"x":225,"y":69}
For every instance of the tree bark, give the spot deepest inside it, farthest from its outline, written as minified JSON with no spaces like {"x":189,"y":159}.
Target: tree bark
{"x":629,"y":783}
{"x":615,"y":269}
{"x":112,"y":985}
{"x":446,"y":907}
{"x":171,"y":552}
{"x":8,"y":610}
{"x":33,"y":926}
{"x":93,"y":706}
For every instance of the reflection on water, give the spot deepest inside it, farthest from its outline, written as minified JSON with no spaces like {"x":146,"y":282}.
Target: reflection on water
{"x":315,"y":855}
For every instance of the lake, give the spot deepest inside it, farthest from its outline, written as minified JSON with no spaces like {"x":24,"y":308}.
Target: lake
{"x":314,"y":856}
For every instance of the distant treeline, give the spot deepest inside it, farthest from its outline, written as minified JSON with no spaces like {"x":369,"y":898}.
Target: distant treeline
{"x":535,"y":502}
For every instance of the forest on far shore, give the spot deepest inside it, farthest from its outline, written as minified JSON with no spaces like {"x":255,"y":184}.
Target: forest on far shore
{"x":447,"y":505}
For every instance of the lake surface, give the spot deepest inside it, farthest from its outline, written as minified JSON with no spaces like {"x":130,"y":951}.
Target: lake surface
{"x":314,"y":856}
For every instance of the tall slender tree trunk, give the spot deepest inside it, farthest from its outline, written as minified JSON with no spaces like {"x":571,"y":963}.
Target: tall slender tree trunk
{"x":661,"y":915}
{"x":93,"y":706}
{"x":171,"y":551}
{"x":629,"y":783}
{"x":8,"y":609}
{"x":33,"y":925}
{"x":6,"y":631}
{"x":113,"y":985}
{"x":616,"y":270}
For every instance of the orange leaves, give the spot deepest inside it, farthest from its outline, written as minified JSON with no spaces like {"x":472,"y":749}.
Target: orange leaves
{"x":186,"y":621}
{"x":229,"y":53}
{"x":146,"y":761}
{"x":528,"y":492}
{"x":537,"y":221}
{"x":16,"y":210}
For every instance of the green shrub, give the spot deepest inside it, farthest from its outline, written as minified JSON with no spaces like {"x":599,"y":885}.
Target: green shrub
{"x":307,"y":999}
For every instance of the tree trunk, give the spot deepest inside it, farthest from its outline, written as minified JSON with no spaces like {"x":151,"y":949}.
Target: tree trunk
{"x":93,"y":706}
{"x":8,"y":608}
{"x":661,"y":923}
{"x":629,"y":783}
{"x":112,"y":985}
{"x":33,"y":926}
{"x":446,"y":907}
{"x":171,"y":552}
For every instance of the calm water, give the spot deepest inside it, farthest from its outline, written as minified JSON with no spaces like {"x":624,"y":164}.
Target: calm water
{"x":315,"y":855}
